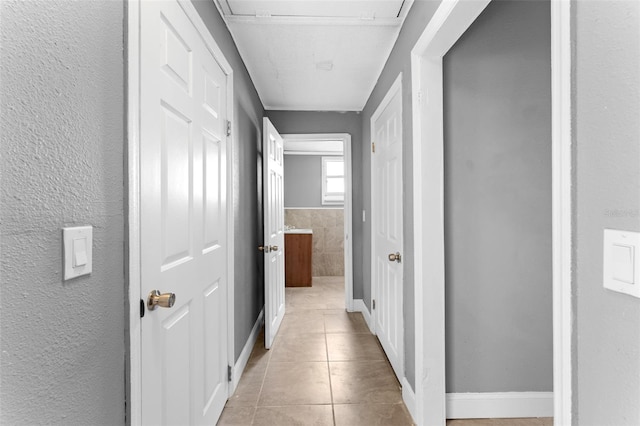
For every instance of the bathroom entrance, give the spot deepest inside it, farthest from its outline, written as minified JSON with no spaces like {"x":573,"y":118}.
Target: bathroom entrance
{"x":317,"y":200}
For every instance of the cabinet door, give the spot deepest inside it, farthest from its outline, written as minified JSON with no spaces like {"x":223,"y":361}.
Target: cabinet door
{"x":298,"y":260}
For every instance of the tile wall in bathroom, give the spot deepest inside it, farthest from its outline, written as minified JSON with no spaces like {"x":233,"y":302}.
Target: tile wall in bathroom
{"x":328,"y":237}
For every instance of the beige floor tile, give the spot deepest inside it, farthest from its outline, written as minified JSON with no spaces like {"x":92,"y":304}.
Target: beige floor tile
{"x":246,"y":394}
{"x":372,"y":414}
{"x":254,"y":371}
{"x":334,"y":303}
{"x":294,"y":415}
{"x":236,"y":416}
{"x":299,"y":393}
{"x":351,"y":347}
{"x":345,"y":322}
{"x":546,"y":421}
{"x":302,"y":347}
{"x":364,"y":382}
{"x":306,"y":301}
{"x":259,"y":355}
{"x":334,"y":311}
{"x":289,"y":383}
{"x":302,"y":323}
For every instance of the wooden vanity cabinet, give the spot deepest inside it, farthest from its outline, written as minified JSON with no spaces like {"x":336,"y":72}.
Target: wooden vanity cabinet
{"x":297,"y":259}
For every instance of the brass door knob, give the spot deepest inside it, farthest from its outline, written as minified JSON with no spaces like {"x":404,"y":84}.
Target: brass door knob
{"x":263,"y":249}
{"x":395,"y":257}
{"x":274,"y":248}
{"x":164,"y":300}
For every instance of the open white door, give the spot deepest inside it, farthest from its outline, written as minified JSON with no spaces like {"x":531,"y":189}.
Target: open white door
{"x":183,"y":220}
{"x":386,"y":201}
{"x":273,"y":169}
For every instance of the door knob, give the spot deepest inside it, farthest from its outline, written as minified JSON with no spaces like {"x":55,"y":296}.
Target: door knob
{"x":395,"y":257}
{"x":274,"y":248}
{"x":164,"y":300}
{"x":264,"y":249}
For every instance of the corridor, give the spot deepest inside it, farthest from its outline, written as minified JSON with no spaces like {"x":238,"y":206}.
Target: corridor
{"x":325,"y":368}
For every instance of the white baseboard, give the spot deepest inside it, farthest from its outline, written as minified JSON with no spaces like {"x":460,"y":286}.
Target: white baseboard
{"x":238,"y":368}
{"x":409,"y":398}
{"x":499,"y":405}
{"x":359,"y":306}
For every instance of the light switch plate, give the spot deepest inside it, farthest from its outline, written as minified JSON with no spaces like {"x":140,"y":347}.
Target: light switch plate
{"x":621,"y":262}
{"x":78,"y":243}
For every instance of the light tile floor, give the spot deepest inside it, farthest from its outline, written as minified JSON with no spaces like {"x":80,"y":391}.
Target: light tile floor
{"x":325,"y":368}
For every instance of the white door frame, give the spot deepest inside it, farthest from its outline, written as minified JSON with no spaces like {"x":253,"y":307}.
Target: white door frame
{"x":395,"y":88}
{"x":451,"y":20}
{"x":134,"y":395}
{"x":348,"y":198}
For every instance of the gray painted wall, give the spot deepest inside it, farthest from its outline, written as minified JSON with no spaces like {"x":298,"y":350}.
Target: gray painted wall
{"x":247,"y":191}
{"x":62,"y":126}
{"x":606,"y":137}
{"x":497,"y":133}
{"x":399,"y":61}
{"x":335,"y":122}
{"x":303,"y":181}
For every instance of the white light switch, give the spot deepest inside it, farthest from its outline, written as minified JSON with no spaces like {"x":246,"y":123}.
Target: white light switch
{"x":79,"y":252}
{"x":621,"y":262}
{"x":78,"y":242}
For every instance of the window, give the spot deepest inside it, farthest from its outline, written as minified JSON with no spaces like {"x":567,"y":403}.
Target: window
{"x":332,"y":180}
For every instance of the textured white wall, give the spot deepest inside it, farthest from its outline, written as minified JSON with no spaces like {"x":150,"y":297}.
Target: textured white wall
{"x":607,"y":141}
{"x":62,"y":83}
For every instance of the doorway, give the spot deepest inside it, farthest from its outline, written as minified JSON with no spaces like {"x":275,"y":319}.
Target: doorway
{"x":318,"y":198}
{"x":497,"y":215}
{"x":449,"y":23}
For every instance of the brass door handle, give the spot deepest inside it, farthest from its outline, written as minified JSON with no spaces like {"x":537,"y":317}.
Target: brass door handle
{"x":264,"y":249}
{"x":274,"y":248}
{"x":164,"y":300}
{"x":395,"y":257}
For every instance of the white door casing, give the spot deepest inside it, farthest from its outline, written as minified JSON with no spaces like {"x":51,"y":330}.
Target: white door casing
{"x":183,"y":223}
{"x":273,"y":178}
{"x":386,"y":226}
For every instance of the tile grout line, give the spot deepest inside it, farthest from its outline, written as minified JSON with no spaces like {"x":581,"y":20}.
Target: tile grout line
{"x":264,"y":377}
{"x":326,"y":348}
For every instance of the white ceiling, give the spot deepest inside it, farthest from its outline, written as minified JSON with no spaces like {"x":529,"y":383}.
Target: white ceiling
{"x":314,"y":55}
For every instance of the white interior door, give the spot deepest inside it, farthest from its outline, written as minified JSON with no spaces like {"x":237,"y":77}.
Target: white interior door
{"x":387,"y":226}
{"x":273,"y":169}
{"x":183,"y":149}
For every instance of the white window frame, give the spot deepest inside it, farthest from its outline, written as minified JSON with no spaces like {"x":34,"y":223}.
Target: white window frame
{"x":331,"y":198}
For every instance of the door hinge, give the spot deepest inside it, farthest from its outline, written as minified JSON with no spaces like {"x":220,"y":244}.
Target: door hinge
{"x":373,"y":303}
{"x":373,"y":147}
{"x":229,"y":373}
{"x":228,"y":128}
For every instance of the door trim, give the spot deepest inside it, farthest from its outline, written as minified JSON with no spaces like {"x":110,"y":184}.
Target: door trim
{"x":348,"y":201}
{"x":133,"y":244}
{"x":451,"y":20}
{"x":395,"y":88}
